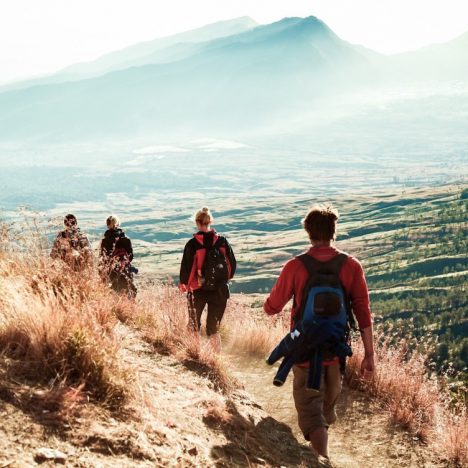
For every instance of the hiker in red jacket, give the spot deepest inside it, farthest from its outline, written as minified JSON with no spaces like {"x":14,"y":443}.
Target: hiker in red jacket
{"x":316,"y":411}
{"x":207,"y":265}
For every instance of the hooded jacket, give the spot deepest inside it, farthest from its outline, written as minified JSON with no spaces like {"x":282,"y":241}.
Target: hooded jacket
{"x":115,"y":239}
{"x":194,"y":258}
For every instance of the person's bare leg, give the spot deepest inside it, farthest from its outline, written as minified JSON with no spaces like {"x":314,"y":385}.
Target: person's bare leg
{"x":319,"y":441}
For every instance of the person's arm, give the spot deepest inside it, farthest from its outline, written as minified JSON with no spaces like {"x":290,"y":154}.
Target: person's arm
{"x":186,"y":265}
{"x":367,"y":364}
{"x":231,"y":259}
{"x":130,"y":250}
{"x":103,"y":250}
{"x":282,"y":291}
{"x":361,"y":307}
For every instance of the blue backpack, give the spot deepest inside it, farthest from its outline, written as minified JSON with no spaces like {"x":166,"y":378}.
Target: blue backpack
{"x":323,"y":296}
{"x":321,"y":325}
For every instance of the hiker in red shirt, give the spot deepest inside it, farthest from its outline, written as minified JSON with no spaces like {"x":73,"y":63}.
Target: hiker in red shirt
{"x":316,"y":411}
{"x":207,"y":265}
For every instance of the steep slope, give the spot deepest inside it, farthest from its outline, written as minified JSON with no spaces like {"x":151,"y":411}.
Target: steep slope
{"x":186,"y":422}
{"x":106,"y":382}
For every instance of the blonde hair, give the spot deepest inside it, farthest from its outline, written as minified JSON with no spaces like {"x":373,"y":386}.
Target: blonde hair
{"x":112,"y":221}
{"x":203,"y":216}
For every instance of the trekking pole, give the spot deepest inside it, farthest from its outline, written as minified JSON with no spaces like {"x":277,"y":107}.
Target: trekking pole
{"x":192,"y":325}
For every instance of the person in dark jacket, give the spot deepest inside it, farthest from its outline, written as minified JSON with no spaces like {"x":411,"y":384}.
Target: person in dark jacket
{"x":72,"y":246}
{"x":202,"y":288}
{"x":116,"y":254}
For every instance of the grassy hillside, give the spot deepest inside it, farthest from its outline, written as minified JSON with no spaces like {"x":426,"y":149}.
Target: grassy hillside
{"x":414,"y":250}
{"x":114,"y":382}
{"x":415,"y":253}
{"x":89,"y":378}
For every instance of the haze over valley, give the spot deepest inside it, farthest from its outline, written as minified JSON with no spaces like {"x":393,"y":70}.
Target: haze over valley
{"x":256,"y":121}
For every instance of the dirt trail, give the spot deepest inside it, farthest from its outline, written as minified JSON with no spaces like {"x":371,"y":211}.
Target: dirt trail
{"x":177,"y":419}
{"x":361,"y":438}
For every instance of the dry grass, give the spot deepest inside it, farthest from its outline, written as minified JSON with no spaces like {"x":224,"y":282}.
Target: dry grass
{"x":253,"y":333}
{"x":414,"y":399}
{"x":58,"y":346}
{"x":161,"y":316}
{"x":60,"y":337}
{"x":56,"y":331}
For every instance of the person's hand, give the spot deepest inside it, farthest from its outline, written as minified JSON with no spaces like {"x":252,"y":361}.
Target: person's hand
{"x":367,"y":366}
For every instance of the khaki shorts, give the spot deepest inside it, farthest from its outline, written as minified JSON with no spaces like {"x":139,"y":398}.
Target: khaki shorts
{"x":316,"y":409}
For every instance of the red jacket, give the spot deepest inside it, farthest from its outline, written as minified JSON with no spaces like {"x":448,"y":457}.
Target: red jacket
{"x":294,"y":276}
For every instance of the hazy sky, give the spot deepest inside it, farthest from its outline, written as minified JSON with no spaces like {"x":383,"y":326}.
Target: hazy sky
{"x":41,"y":36}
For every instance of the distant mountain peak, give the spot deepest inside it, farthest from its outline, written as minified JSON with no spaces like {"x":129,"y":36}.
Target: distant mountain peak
{"x":313,"y":23}
{"x":310,"y":25}
{"x":247,"y":20}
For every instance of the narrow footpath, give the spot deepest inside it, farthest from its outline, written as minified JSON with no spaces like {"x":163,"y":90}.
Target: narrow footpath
{"x":362,"y":436}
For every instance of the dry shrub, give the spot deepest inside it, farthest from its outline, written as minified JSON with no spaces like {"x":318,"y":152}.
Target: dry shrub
{"x":253,"y":332}
{"x":162,"y":318}
{"x":413,"y":397}
{"x":217,"y":414}
{"x":57,"y":332}
{"x":452,"y":434}
{"x":206,"y":361}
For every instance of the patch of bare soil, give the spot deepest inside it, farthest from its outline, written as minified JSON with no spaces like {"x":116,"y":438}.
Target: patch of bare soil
{"x":177,"y":418}
{"x":362,"y":436}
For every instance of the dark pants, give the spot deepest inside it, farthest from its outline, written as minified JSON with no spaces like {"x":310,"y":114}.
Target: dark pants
{"x":216,"y":301}
{"x":122,"y":282}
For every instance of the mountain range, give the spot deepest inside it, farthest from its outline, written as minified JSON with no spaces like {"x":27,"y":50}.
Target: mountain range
{"x":227,"y":78}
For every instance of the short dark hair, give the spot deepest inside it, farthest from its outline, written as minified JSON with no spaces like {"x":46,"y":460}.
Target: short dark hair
{"x":320,"y":223}
{"x":70,"y":220}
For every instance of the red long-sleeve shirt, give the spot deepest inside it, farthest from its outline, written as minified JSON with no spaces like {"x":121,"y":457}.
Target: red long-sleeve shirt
{"x":294,"y":276}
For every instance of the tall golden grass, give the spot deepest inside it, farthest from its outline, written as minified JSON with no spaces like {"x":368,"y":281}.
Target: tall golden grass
{"x":57,"y":331}
{"x":58,"y":328}
{"x":250,"y":332}
{"x":414,"y":398}
{"x":161,"y":316}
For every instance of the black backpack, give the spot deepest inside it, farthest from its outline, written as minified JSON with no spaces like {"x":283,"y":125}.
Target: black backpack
{"x":215,"y":269}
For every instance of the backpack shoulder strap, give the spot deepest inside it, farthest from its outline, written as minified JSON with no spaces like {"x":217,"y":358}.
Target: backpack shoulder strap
{"x":310,"y":263}
{"x":336,"y":263}
{"x":219,"y":242}
{"x":313,"y":265}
